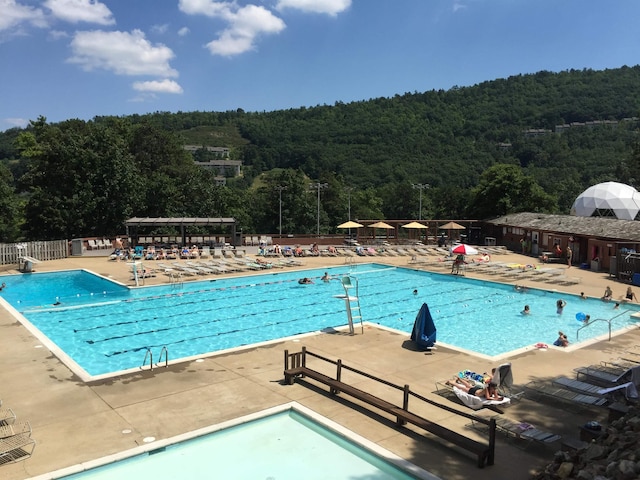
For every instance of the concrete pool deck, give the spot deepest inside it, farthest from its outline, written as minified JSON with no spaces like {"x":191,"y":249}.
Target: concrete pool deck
{"x":74,"y":422}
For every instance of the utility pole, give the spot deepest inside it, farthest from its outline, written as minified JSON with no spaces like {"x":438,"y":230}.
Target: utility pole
{"x":280,"y":188}
{"x":421,"y":187}
{"x":319,"y":186}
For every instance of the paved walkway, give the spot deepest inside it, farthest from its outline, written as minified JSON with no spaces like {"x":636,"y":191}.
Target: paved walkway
{"x":75,"y":422}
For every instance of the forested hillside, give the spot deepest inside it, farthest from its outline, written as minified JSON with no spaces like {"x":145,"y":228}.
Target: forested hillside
{"x":484,"y":151}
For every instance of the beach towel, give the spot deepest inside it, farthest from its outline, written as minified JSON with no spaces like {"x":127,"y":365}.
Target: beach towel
{"x":630,"y":390}
{"x":476,"y":403}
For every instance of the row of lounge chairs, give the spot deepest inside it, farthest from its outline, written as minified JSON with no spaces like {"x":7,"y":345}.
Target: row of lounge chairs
{"x":223,"y":266}
{"x":16,"y":443}
{"x":99,"y":244}
{"x":519,"y":272}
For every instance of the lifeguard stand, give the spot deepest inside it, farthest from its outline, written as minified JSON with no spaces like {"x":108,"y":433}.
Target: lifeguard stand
{"x":352,"y":302}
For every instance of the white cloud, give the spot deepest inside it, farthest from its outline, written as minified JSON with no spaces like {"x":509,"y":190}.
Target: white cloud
{"x":57,"y":34}
{"x":209,"y":8}
{"x":16,"y":122}
{"x":123,"y":53}
{"x":161,"y":29}
{"x":329,"y":7}
{"x":159,"y":86}
{"x":245,"y":24}
{"x":74,"y":11}
{"x":13,"y":14}
{"x":184,"y":31}
{"x":458,"y":6}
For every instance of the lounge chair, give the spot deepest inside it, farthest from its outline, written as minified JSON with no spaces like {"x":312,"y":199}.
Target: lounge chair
{"x":206,"y":252}
{"x":16,"y":448}
{"x":557,"y":392}
{"x":476,"y":403}
{"x":15,"y":429}
{"x":92,"y":245}
{"x":525,"y":431}
{"x":7,"y":417}
{"x":503,"y":378}
{"x":577,"y":385}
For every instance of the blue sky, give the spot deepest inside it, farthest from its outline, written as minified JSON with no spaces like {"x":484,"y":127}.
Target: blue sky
{"x":82,"y":58}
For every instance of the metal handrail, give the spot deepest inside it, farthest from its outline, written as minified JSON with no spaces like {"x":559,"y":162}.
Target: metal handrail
{"x":149,"y":355}
{"x":166,"y":357}
{"x":591,"y":322}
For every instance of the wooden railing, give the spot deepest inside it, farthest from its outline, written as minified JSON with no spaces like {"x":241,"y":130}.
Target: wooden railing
{"x":295,"y":366}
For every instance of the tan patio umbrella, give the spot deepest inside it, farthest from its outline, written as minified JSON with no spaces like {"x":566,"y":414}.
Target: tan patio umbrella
{"x":414,"y":225}
{"x":384,"y":225}
{"x":350,"y":224}
{"x":452,"y":226}
{"x":381,"y":225}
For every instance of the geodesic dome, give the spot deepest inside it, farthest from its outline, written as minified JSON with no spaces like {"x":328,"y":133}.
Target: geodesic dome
{"x":609,"y":199}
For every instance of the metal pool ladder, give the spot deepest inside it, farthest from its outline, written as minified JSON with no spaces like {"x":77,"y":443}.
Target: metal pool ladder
{"x":149,"y":355}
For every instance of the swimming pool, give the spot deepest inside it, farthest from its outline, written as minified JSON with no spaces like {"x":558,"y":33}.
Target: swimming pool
{"x":105,"y":327}
{"x":286,"y":442}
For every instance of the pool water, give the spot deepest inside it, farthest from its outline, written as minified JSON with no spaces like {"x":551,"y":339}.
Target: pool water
{"x":105,"y":327}
{"x":281,"y":446}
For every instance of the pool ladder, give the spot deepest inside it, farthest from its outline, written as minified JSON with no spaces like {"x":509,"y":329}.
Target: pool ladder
{"x":149,"y":355}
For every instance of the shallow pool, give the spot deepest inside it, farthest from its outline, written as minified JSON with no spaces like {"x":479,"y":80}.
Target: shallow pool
{"x":105,"y":327}
{"x":287,"y":445}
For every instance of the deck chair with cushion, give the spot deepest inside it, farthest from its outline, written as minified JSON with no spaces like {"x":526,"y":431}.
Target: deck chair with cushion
{"x":16,"y":448}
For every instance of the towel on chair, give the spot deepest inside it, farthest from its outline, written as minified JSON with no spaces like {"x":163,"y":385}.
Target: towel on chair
{"x":630,"y":390}
{"x":475,"y":402}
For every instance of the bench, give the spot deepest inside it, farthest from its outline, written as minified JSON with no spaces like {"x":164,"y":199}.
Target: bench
{"x":484,"y":452}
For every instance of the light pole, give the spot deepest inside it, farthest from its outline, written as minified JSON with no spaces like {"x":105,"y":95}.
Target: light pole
{"x":319,"y":186}
{"x":420,"y":186}
{"x":280,"y":188}
{"x":349,"y":190}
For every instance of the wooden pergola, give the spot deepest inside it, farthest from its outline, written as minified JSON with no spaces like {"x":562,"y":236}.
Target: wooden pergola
{"x":135,"y":224}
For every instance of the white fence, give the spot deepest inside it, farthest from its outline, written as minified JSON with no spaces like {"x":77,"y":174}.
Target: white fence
{"x":51,"y":250}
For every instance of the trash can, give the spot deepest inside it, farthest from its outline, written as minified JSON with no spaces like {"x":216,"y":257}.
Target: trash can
{"x":635,"y":280}
{"x":595,"y":265}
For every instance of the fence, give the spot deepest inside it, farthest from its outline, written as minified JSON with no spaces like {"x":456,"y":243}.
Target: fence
{"x":50,"y":250}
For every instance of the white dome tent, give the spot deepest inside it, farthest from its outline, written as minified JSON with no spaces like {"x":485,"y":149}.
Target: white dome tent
{"x":609,"y":199}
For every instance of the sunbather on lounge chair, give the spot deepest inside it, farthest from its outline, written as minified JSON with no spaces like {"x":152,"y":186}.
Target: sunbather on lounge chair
{"x":488,"y":393}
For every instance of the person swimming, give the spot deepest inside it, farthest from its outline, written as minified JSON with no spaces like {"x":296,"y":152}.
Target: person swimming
{"x":526,"y":311}
{"x":326,"y":277}
{"x":415,"y":291}
{"x":305,"y":281}
{"x":560,"y":304}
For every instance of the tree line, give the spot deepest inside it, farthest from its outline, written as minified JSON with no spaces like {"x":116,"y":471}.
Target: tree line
{"x":470,"y":146}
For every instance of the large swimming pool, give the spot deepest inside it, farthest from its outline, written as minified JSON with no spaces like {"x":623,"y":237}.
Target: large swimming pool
{"x":105,"y":327}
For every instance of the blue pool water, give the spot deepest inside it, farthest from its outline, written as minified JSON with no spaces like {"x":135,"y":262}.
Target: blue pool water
{"x":281,"y":446}
{"x":106,"y":327}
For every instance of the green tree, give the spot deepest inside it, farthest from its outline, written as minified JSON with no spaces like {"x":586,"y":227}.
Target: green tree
{"x":506,"y":189}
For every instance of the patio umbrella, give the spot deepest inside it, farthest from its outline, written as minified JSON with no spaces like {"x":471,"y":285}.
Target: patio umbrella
{"x":384,"y":225}
{"x":452,"y":226}
{"x":381,"y":225}
{"x":350,"y":224}
{"x":464,"y":249}
{"x":414,"y":225}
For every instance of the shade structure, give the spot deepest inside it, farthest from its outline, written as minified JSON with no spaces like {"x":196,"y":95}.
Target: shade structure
{"x":452,"y":226}
{"x":464,"y":249}
{"x":414,"y":225}
{"x":381,"y":225}
{"x":350,"y":224}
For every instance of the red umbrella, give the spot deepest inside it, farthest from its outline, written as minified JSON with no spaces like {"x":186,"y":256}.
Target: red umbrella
{"x":464,"y":249}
